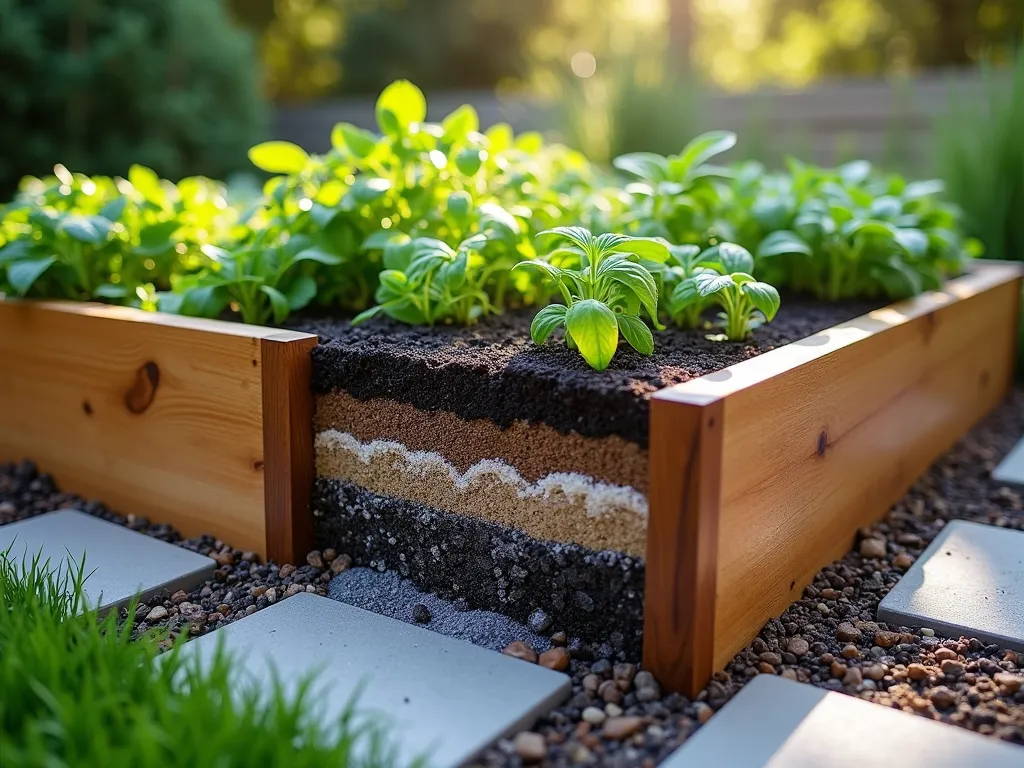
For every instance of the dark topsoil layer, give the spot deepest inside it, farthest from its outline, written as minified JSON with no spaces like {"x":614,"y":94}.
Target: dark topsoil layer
{"x":494,"y":371}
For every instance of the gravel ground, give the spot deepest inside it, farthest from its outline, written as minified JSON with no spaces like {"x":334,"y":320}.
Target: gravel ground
{"x":829,"y":638}
{"x":241,"y":585}
{"x":617,"y":715}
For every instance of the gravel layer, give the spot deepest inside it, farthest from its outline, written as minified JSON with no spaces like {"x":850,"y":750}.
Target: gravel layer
{"x":596,"y":596}
{"x":241,"y":584}
{"x":389,"y":594}
{"x":494,"y":371}
{"x":829,"y":638}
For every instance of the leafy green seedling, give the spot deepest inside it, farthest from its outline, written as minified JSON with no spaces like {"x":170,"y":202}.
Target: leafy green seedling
{"x":263,"y":284}
{"x":605,"y":288}
{"x":428,"y":281}
{"x":725,"y":279}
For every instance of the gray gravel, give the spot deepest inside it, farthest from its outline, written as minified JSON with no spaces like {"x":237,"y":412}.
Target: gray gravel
{"x":389,"y":594}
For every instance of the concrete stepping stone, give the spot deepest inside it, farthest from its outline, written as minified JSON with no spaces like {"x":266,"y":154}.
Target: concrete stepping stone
{"x":1011,"y":468}
{"x":120,"y":563}
{"x":969,"y":581}
{"x":780,"y":723}
{"x":437,"y":695}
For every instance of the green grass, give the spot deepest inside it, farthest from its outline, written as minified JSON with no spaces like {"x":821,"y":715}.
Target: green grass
{"x":76,"y":690}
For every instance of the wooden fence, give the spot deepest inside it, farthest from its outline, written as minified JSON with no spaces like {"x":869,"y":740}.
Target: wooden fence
{"x":885,"y":121}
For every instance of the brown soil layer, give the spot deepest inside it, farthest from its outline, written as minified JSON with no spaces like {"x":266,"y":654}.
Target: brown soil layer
{"x":494,"y":371}
{"x":534,"y":450}
{"x":569,"y":508}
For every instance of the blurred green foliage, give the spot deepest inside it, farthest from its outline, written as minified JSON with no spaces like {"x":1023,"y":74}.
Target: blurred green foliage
{"x":981,"y":157}
{"x":103,"y":84}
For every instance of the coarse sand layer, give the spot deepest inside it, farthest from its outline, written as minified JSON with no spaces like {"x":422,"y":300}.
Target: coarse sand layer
{"x":595,"y":596}
{"x":562,"y":507}
{"x":534,"y":450}
{"x":492,"y":370}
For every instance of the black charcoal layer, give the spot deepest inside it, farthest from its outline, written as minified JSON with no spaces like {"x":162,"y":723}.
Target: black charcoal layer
{"x":594,"y":596}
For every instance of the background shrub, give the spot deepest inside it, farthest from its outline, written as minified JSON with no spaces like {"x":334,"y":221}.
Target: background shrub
{"x":101,"y":84}
{"x":981,"y":158}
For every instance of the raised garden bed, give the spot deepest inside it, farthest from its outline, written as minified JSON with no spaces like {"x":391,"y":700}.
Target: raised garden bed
{"x":495,"y":472}
{"x":661,"y":494}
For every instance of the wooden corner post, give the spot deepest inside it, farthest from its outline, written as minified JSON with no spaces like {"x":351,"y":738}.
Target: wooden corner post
{"x":682,"y":540}
{"x":288,"y":470}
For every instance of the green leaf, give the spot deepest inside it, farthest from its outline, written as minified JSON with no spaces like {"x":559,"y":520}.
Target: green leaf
{"x":492,"y":213}
{"x":634,"y":277}
{"x":648,"y":248}
{"x":468,"y":161}
{"x":913,"y":241}
{"x":368,"y":314}
{"x":366,"y":189}
{"x":459,"y":124}
{"x":646,"y":165}
{"x":92,"y":230}
{"x":301,"y":292}
{"x":636,"y":332}
{"x":319,"y":256}
{"x":580,"y":236}
{"x":915,"y":190}
{"x":698,"y":152}
{"x":459,"y":204}
{"x":546,"y":321}
{"x":156,"y":238}
{"x":346,"y":137}
{"x":684,"y":295}
{"x":709,"y":284}
{"x":110,"y":291}
{"x":112,"y":210}
{"x":204,"y":301}
{"x":549,"y":270}
{"x":781,"y":243}
{"x":16,"y":250}
{"x":684,"y":255}
{"x":763,"y":296}
{"x":400,"y":105}
{"x":279,"y":157}
{"x":147,"y":184}
{"x":278,"y":302}
{"x":23,"y":274}
{"x":867,"y":227}
{"x":731,"y":257}
{"x":595,"y":330}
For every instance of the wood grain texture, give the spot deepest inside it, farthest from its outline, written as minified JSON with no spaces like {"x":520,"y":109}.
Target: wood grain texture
{"x":156,"y":415}
{"x":289,"y":470}
{"x":821,"y":437}
{"x":682,"y":540}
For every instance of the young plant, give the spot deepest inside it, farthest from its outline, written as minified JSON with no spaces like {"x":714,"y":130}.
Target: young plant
{"x":726,"y":280}
{"x":426,"y":281}
{"x":605,"y":288}
{"x":684,"y":305}
{"x":263,"y":284}
{"x":673,"y":197}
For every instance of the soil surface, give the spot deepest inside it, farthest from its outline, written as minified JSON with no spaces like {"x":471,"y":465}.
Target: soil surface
{"x":494,"y":371}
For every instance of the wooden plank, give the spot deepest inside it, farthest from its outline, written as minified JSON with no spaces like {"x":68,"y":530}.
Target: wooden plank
{"x":157,"y":415}
{"x":682,"y":540}
{"x":821,"y":437}
{"x":288,"y":406}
